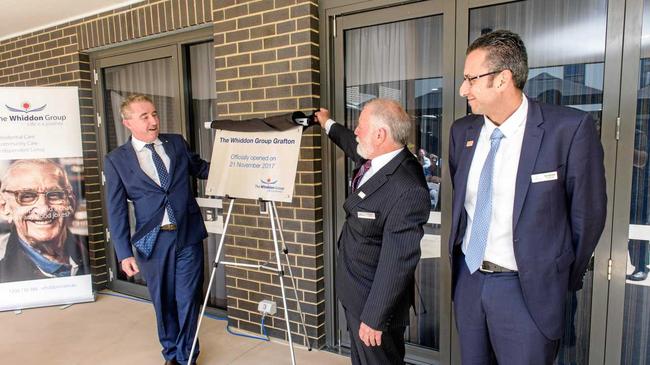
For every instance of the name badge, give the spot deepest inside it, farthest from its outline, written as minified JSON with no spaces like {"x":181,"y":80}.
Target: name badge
{"x":366,"y":215}
{"x":544,"y":176}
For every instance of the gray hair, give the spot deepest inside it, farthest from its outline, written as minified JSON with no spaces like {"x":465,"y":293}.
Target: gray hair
{"x":125,"y":106}
{"x":389,"y":113}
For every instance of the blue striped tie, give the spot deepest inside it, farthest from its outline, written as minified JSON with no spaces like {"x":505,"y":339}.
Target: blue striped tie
{"x":483,"y":212}
{"x":163,"y":175}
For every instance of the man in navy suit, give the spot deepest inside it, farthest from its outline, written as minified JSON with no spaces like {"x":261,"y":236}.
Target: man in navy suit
{"x":379,"y":246}
{"x":529,"y":206}
{"x":153,"y":171}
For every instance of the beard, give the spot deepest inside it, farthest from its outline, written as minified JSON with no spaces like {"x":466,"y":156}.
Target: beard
{"x":362,"y":150}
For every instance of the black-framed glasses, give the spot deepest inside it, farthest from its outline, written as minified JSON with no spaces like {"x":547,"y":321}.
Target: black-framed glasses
{"x":29,"y":197}
{"x":471,"y":79}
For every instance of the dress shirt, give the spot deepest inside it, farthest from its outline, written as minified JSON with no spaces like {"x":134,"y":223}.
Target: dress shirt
{"x":500,"y":248}
{"x":377,"y":162}
{"x":146,"y":163}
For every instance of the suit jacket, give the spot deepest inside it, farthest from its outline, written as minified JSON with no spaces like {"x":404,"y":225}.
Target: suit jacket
{"x":557,"y":223}
{"x":16,"y":265}
{"x":126,"y":180}
{"x":377,"y":257}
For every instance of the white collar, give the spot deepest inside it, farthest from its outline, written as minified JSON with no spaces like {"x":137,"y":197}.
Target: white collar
{"x":139,"y":145}
{"x":512,"y":123}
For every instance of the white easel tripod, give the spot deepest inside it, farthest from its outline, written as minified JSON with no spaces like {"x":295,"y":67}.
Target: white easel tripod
{"x":275,"y":219}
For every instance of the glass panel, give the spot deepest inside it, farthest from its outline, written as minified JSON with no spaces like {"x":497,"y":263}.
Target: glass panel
{"x":403,"y":61}
{"x":145,"y":78}
{"x":636,"y":322}
{"x":203,"y":108}
{"x":572,"y":75}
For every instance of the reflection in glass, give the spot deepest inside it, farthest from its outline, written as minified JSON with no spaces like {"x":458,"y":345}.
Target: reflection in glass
{"x":636,"y":322}
{"x":565,"y":41}
{"x":403,"y":61}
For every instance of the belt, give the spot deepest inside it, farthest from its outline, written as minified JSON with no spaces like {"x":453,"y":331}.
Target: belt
{"x":488,"y":267}
{"x":168,"y":227}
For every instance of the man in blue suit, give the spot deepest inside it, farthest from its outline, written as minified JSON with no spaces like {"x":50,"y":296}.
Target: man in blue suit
{"x":153,"y":171}
{"x":529,"y":206}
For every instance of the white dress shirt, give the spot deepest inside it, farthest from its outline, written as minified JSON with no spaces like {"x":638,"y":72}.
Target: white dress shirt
{"x":500,"y":249}
{"x":145,"y":160}
{"x":377,"y":162}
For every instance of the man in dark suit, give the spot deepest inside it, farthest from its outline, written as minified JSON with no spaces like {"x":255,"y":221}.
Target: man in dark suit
{"x":153,"y":171}
{"x":529,"y":206}
{"x":39,"y":201}
{"x":379,"y":246}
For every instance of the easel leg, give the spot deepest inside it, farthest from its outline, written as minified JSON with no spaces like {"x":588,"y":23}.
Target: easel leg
{"x":281,"y":274}
{"x":285,"y":250}
{"x":214,"y":270}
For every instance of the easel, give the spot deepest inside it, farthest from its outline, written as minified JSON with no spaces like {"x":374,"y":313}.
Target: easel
{"x":273,"y":216}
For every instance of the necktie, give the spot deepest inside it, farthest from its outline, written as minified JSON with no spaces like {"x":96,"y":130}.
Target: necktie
{"x":362,"y":171}
{"x":163,"y":175}
{"x":483,"y":211}
{"x":146,"y":243}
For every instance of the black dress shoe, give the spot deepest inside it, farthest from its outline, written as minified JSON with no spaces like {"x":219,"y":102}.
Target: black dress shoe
{"x":638,"y":276}
{"x":171,"y":362}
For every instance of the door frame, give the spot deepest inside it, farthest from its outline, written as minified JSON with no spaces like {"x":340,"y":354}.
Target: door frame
{"x":150,"y":48}
{"x":335,"y":15}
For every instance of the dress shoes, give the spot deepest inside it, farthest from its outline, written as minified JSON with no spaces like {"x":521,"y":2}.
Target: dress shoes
{"x":171,"y":362}
{"x":638,"y":276}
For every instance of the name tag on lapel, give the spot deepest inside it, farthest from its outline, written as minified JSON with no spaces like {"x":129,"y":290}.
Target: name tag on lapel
{"x":544,"y":176}
{"x":366,"y":215}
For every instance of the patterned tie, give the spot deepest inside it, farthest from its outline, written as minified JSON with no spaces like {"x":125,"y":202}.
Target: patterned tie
{"x":362,"y":171}
{"x":483,"y":212}
{"x":146,"y":243}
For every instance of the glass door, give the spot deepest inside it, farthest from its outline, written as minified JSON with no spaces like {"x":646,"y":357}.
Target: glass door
{"x":180,"y":79}
{"x":399,"y":53}
{"x":628,"y":333}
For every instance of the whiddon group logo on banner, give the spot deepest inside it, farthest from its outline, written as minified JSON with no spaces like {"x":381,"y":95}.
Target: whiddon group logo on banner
{"x":254,"y":165}
{"x":35,"y":121}
{"x":26,"y":108}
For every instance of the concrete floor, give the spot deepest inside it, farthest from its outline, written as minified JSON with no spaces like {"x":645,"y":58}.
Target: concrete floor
{"x":116,"y":330}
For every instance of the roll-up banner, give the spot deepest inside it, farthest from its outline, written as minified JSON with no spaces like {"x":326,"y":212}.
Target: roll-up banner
{"x":43,"y":220}
{"x":255,"y":165}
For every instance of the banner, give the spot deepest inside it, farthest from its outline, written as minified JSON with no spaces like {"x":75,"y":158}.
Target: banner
{"x":43,"y":220}
{"x":254,"y":165}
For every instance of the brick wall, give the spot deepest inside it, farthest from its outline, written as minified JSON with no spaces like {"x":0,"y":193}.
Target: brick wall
{"x":267,"y":63}
{"x":57,"y":57}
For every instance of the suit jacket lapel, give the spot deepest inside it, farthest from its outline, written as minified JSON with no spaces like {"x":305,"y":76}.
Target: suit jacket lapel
{"x":469,"y":147}
{"x":170,"y":151}
{"x":132,"y":160}
{"x":376,"y":181}
{"x":529,"y":151}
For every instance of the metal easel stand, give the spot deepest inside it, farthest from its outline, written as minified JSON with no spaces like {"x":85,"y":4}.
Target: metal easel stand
{"x":275,"y":219}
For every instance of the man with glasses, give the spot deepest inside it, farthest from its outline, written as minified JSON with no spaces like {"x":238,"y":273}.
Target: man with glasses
{"x":36,"y":198}
{"x":528,"y":208}
{"x":153,"y":170}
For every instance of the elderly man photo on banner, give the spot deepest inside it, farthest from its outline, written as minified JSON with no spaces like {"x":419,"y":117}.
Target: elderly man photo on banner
{"x":379,"y":245}
{"x":38,"y":203}
{"x":153,"y":170}
{"x":528,"y":208}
